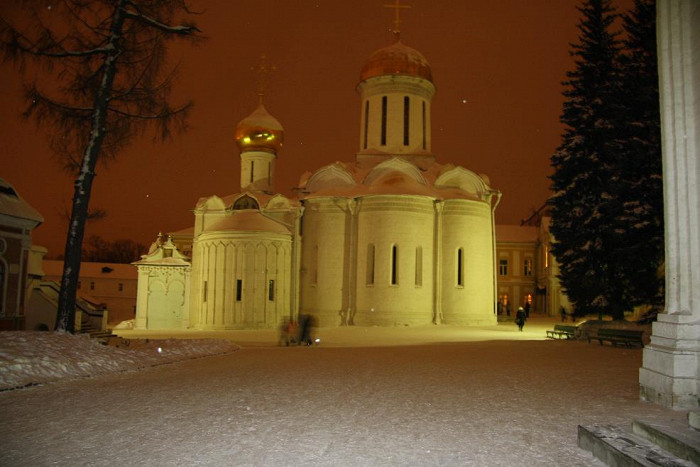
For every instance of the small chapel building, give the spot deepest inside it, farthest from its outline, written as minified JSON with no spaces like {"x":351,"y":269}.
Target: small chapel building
{"x":392,"y":237}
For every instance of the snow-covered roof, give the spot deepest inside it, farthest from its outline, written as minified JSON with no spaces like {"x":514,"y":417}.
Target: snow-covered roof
{"x":163,"y":254}
{"x":395,"y":176}
{"x":54,"y":268}
{"x":249,"y":220}
{"x":12,"y":205}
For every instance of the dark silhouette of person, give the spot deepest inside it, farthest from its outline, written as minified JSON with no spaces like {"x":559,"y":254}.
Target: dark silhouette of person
{"x":527,"y":310}
{"x":306,"y":324}
{"x":520,"y":318}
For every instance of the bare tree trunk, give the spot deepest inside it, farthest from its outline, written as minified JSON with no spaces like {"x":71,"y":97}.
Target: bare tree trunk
{"x":65,"y":320}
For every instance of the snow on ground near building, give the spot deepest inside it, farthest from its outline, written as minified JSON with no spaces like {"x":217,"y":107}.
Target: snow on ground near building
{"x":365,"y":396}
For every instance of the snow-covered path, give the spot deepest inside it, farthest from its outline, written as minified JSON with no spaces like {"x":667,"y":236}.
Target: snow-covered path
{"x":506,"y":403}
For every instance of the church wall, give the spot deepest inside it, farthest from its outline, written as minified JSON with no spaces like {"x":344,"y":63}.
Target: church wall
{"x":231,"y":280}
{"x":467,"y":225}
{"x":323,"y":259}
{"x":406,"y":223}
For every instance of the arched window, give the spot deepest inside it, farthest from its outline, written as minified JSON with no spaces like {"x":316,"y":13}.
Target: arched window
{"x":370,"y":264}
{"x":394,"y":265}
{"x":460,"y":267}
{"x":314,"y":265}
{"x":384,"y":112}
{"x":245,"y":202}
{"x":424,"y":126}
{"x":419,"y":266}
{"x":364,"y":144}
{"x":406,"y":118}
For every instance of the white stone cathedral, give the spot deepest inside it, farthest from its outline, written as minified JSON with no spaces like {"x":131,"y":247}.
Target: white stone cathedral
{"x":390,"y":238}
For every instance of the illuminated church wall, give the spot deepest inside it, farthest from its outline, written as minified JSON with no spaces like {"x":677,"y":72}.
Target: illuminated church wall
{"x":389,"y":238}
{"x":390,"y":231}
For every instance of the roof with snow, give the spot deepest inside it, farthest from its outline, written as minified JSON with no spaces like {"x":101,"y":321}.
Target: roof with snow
{"x":54,"y":268}
{"x":12,"y":205}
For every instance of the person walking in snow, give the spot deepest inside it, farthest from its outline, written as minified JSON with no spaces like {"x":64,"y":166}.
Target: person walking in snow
{"x":520,"y":318}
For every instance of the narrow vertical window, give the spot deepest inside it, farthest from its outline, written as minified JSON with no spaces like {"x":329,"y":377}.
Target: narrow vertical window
{"x":121,"y":287}
{"x":384,"y":110}
{"x":460,"y":267}
{"x":314,"y":265}
{"x":419,"y":265}
{"x":269,"y":173}
{"x":271,"y":290}
{"x":394,"y":265}
{"x":252,"y":171}
{"x":370,"y":264}
{"x":406,"y":115}
{"x":424,"y":127}
{"x":364,"y":144}
{"x":527,"y":267}
{"x":92,"y":286}
{"x":239,"y":289}
{"x":205,"y":291}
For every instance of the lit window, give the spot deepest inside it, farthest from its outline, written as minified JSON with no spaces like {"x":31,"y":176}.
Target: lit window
{"x":527,"y":267}
{"x":503,"y":267}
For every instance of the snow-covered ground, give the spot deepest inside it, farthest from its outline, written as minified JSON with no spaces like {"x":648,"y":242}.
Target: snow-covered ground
{"x":364,"y":396}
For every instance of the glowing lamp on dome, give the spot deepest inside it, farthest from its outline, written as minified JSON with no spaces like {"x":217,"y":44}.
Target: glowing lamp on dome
{"x":317,"y":340}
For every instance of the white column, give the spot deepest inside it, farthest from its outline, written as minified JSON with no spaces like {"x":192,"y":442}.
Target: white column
{"x":670,"y":374}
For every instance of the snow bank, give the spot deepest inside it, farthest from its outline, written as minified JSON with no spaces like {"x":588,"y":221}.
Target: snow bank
{"x":29,"y":358}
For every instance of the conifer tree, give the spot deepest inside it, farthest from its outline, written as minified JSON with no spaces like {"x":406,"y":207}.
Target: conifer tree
{"x":640,"y":158}
{"x":108,"y":57}
{"x":585,"y":175}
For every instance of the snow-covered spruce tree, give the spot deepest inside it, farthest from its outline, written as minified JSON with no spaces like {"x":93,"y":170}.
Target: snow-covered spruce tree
{"x":585,"y":181}
{"x":105,"y":60}
{"x":640,"y":159}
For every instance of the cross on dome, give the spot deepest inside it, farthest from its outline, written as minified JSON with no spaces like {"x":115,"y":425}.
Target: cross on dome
{"x":397,"y":6}
{"x":263,"y":70}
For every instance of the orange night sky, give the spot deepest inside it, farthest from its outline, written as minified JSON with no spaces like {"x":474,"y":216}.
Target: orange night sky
{"x":497,"y":66}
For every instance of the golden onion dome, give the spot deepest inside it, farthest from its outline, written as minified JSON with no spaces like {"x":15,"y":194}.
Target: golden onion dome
{"x":259,"y":131}
{"x":397,"y":59}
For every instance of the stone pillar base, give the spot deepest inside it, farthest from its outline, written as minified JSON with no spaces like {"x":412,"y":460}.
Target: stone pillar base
{"x":671,"y":365}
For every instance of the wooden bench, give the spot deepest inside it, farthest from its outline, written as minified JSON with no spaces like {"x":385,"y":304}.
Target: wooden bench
{"x":562,"y":331}
{"x":626,"y":337}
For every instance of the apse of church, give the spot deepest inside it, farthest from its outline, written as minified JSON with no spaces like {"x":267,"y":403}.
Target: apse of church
{"x":390,"y":238}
